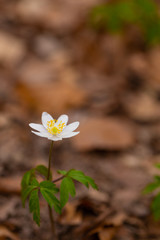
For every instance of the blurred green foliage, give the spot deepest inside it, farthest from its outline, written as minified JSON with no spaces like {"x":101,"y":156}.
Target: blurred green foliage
{"x":116,"y":16}
{"x":154,"y":186}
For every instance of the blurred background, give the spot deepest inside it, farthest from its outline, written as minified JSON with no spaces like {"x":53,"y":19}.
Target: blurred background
{"x":99,"y":62}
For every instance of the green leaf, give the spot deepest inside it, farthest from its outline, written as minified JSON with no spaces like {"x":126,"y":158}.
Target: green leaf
{"x":28,"y":186}
{"x":51,"y":199}
{"x":151,"y":187}
{"x":91,"y":182}
{"x":146,"y":7}
{"x":50,"y":186}
{"x":48,"y":189}
{"x":156,"y":207}
{"x":157,"y":165}
{"x":44,"y":171}
{"x":67,"y":187}
{"x":157,"y":179}
{"x":117,"y":16}
{"x":79,"y":176}
{"x":126,"y":11}
{"x":70,"y":186}
{"x":27,"y":178}
{"x":34,"y":206}
{"x":25,"y":192}
{"x":34,"y":183}
{"x":62,"y":172}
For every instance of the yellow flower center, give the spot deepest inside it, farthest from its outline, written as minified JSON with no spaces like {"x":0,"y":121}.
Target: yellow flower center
{"x":54,"y":130}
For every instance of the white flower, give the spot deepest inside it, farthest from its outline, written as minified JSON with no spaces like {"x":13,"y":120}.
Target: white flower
{"x":54,"y":130}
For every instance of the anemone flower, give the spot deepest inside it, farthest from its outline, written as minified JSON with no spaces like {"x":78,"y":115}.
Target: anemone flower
{"x":54,"y":129}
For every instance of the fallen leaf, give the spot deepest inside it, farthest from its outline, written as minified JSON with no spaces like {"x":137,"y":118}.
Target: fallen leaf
{"x":59,"y":96}
{"x":53,"y":14}
{"x":7,"y":234}
{"x":12,"y":49}
{"x":104,"y":133}
{"x":107,"y":233}
{"x":143,"y":107}
{"x":70,"y":216}
{"x":10,"y":185}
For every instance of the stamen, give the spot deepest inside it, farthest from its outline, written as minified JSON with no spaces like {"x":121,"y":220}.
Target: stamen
{"x":54,"y":130}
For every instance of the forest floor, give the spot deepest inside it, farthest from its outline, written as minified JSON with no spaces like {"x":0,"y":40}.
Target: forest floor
{"x":52,"y":60}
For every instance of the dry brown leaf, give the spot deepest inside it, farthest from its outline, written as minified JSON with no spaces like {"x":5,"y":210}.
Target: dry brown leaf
{"x":12,"y":49}
{"x":98,"y":195}
{"x":7,"y":234}
{"x":36,"y":72}
{"x":70,"y":215}
{"x":58,"y":97}
{"x":116,"y":220}
{"x":104,"y":133}
{"x":60,"y":16}
{"x":143,"y":107}
{"x":10,"y":185}
{"x":107,"y":233}
{"x":108,"y":227}
{"x":33,"y":11}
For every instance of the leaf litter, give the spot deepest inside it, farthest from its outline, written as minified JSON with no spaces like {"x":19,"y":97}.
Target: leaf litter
{"x":52,"y":60}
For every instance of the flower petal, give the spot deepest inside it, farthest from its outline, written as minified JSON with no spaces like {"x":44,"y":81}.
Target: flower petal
{"x":38,"y":127}
{"x":70,"y":128}
{"x":63,"y":118}
{"x":45,"y":118}
{"x":71,"y":134}
{"x":54,"y":138}
{"x":39,"y":134}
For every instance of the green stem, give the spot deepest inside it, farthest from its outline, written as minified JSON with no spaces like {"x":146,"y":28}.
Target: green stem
{"x":58,"y":179}
{"x":49,"y":161}
{"x":52,"y":223}
{"x":49,"y":208}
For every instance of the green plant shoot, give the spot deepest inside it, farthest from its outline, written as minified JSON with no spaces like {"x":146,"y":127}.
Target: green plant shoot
{"x":33,"y":189}
{"x":151,"y":187}
{"x":117,"y":16}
